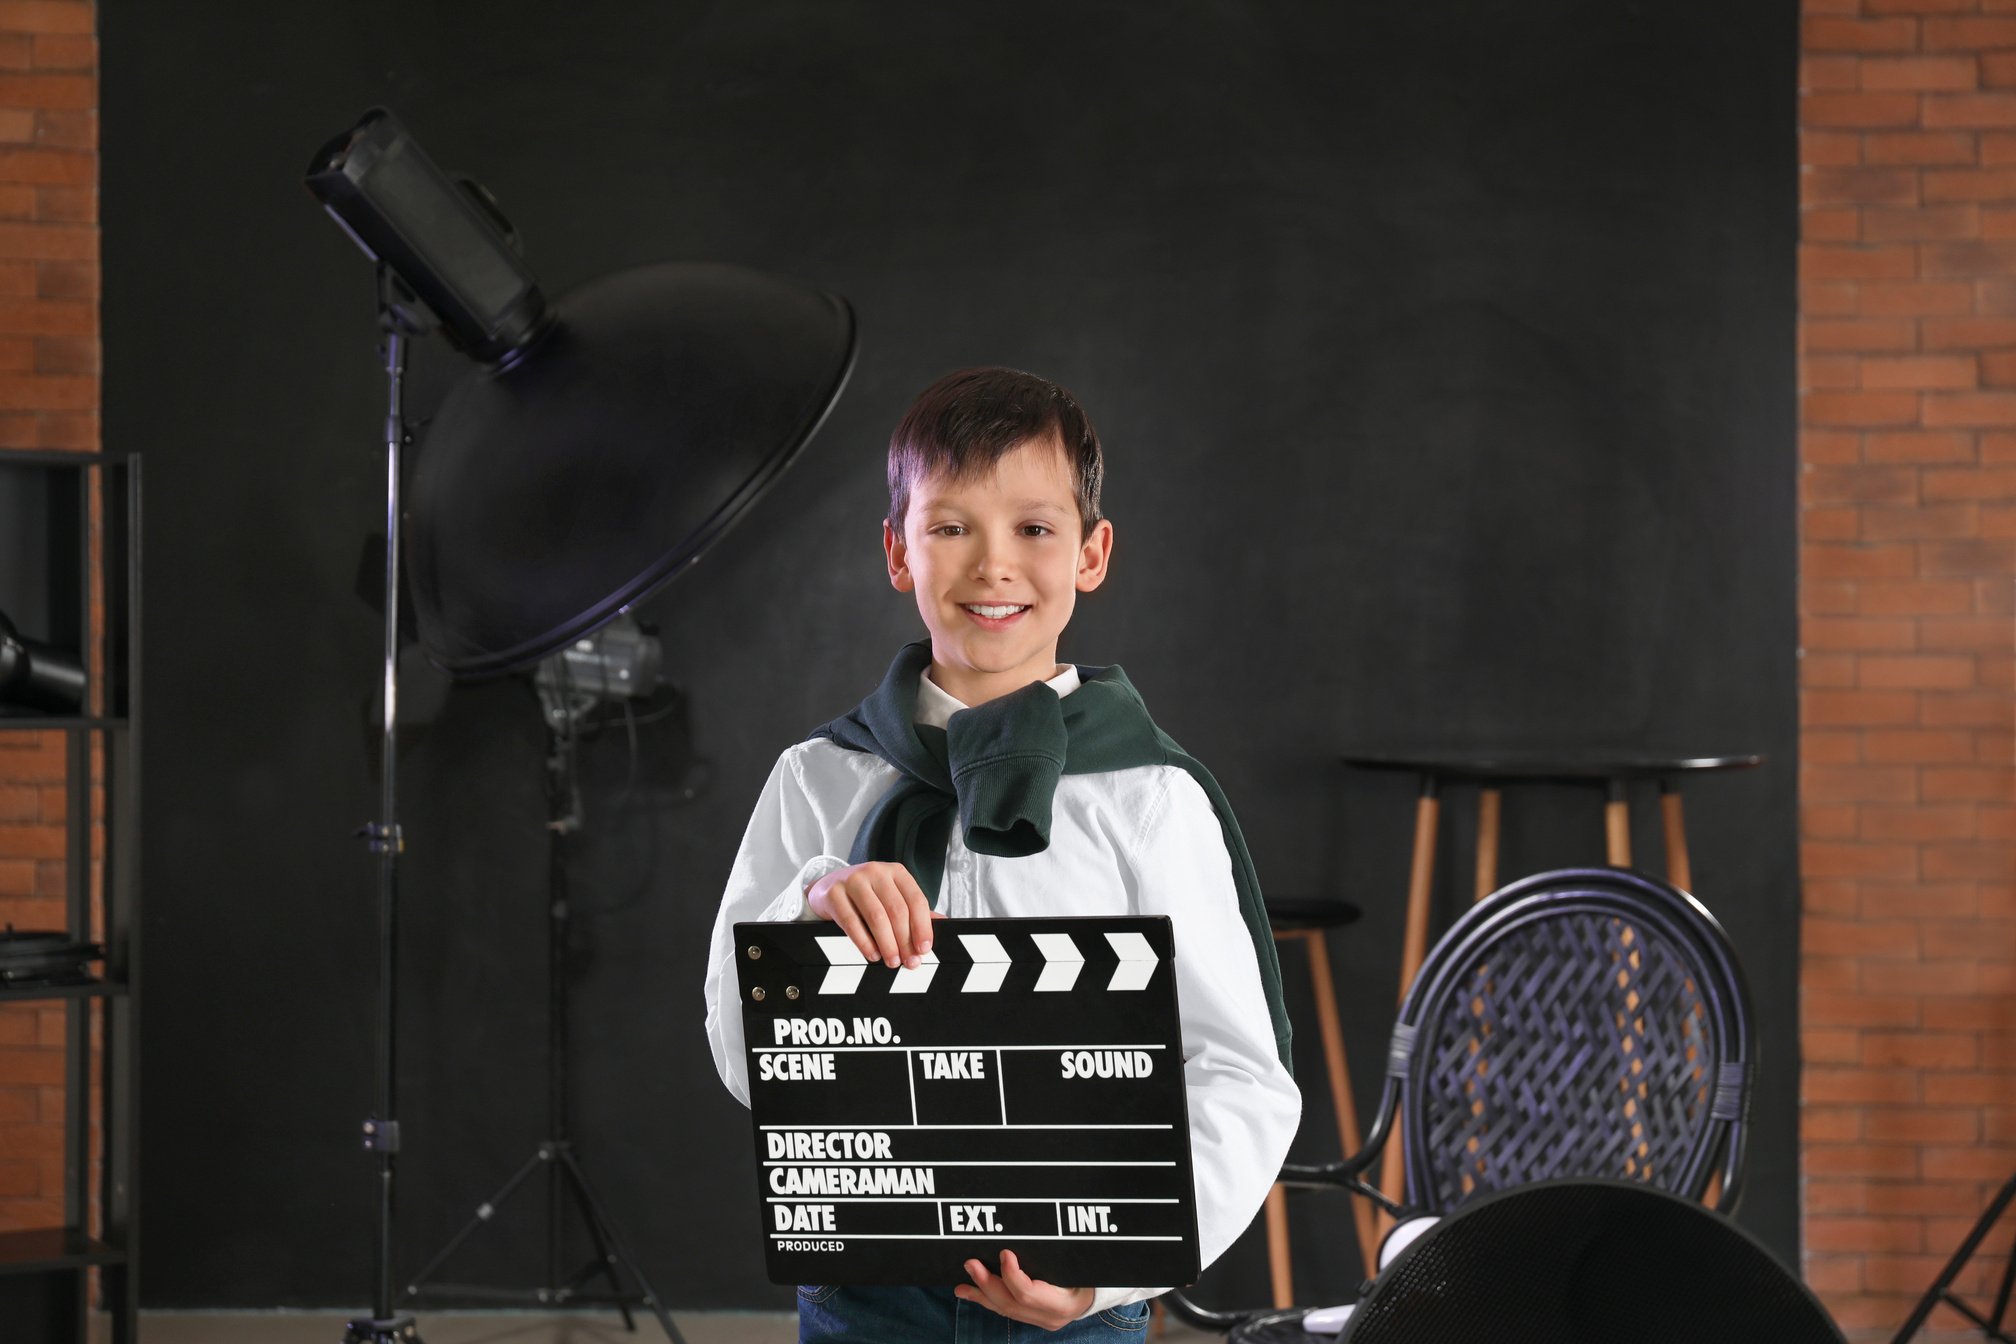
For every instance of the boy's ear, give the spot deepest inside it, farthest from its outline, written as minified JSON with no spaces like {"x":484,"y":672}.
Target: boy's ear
{"x":897,"y":555}
{"x":1094,"y":554}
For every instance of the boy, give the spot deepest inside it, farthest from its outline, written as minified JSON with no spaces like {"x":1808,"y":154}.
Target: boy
{"x":1067,"y":801}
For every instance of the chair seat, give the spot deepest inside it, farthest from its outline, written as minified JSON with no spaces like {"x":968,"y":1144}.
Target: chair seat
{"x":1290,"y":914}
{"x":1279,"y":1327}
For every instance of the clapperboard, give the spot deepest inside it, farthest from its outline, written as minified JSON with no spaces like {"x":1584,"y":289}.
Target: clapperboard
{"x":1021,"y":1089}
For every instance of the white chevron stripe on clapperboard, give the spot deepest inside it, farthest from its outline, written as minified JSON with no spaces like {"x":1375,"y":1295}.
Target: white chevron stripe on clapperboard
{"x":1062,"y":961}
{"x":990,"y":963}
{"x":846,"y":966}
{"x":1137,"y":961}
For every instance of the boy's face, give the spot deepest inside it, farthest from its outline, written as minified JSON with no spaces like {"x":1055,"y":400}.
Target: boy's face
{"x":997,"y":564}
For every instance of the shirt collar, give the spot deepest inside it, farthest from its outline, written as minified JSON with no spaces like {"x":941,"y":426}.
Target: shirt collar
{"x":936,"y":705}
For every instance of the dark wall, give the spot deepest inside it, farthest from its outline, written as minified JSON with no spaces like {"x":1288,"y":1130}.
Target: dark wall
{"x":1443,"y":352}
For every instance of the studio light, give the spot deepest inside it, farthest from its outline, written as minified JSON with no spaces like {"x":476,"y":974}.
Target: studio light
{"x":608,"y":441}
{"x":561,"y":488}
{"x":445,"y":240}
{"x":619,"y":662}
{"x":600,"y":444}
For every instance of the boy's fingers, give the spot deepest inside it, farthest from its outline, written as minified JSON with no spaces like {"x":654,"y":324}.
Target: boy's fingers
{"x":919,"y":908}
{"x":1017,"y":1282}
{"x":850,"y":922}
{"x":991,"y":1293}
{"x":877,"y":920}
{"x":898,"y":914}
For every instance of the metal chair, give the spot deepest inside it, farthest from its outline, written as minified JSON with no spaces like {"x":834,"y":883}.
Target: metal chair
{"x":1588,"y":1022}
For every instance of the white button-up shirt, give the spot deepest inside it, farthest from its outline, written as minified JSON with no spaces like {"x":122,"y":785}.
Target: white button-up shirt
{"x":1141,"y":841}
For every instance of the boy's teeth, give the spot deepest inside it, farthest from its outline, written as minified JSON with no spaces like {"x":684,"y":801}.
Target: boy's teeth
{"x":993,"y":613}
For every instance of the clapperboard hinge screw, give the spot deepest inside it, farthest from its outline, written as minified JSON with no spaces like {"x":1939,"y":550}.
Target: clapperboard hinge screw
{"x":790,"y":991}
{"x":755,"y":954}
{"x":757,"y":993}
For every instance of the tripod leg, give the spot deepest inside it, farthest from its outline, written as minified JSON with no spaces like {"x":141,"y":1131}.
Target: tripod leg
{"x":605,"y":1259}
{"x":1940,"y":1285}
{"x":484,"y":1212}
{"x":2001,"y":1311}
{"x":597,"y":1218}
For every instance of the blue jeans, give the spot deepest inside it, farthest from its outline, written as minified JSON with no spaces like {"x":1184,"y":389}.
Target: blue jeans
{"x":876,"y":1315}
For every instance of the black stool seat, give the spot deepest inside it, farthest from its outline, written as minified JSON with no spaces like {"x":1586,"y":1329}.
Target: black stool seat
{"x":1290,"y":913}
{"x":1514,"y":764}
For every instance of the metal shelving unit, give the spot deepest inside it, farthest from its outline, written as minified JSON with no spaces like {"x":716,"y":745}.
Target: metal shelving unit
{"x":79,"y":514}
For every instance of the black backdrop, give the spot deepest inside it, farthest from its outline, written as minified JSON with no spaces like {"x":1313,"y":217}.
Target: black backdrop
{"x":1443,"y":350}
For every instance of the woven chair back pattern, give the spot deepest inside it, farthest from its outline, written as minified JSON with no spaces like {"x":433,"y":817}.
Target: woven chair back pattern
{"x":1570,"y":1033}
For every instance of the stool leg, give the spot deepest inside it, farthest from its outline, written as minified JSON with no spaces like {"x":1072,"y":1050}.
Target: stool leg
{"x":1420,"y":882}
{"x":1420,"y":879}
{"x":1617,"y":825}
{"x":1278,"y":1267}
{"x":1348,"y":1138}
{"x":1487,"y":841}
{"x":1678,"y":871}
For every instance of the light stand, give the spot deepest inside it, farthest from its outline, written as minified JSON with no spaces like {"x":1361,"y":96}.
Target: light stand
{"x":565,"y":1177}
{"x":381,"y":1128}
{"x":602,"y":444}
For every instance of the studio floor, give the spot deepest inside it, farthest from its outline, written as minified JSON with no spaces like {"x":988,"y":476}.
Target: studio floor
{"x":699,"y":1327}
{"x":488,"y":1328}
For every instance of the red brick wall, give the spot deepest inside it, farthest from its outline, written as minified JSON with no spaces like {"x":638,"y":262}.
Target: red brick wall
{"x":48,"y":399}
{"x":1908,"y":680}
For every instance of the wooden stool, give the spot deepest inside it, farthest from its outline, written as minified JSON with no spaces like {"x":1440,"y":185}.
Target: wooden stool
{"x":1305,"y":921}
{"x":1614,"y":771}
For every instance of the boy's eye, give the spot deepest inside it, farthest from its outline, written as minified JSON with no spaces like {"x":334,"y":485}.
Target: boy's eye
{"x":950,"y":529}
{"x":1035,"y":530}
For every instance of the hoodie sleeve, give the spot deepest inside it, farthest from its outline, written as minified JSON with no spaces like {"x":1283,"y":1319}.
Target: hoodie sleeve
{"x":785,"y":849}
{"x":1244,"y":1105}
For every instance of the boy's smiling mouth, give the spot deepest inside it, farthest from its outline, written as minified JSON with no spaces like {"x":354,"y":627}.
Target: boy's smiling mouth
{"x":994,"y":615}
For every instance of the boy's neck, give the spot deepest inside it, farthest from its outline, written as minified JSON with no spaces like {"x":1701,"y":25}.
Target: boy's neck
{"x":971,"y":688}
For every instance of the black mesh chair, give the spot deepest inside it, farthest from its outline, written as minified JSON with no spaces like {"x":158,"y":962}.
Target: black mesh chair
{"x":1586,"y":1023}
{"x":1577,"y":1262}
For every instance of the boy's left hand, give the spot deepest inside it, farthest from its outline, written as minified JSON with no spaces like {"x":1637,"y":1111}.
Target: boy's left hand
{"x":1020,"y":1298}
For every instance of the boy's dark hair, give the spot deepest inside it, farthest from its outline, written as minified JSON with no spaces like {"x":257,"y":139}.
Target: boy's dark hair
{"x":968,"y":420}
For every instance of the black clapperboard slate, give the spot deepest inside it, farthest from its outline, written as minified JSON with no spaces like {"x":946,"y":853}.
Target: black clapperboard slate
{"x":1022,"y":1090}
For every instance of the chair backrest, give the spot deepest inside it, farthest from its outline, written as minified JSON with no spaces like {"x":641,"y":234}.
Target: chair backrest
{"x":1585,"y":1022}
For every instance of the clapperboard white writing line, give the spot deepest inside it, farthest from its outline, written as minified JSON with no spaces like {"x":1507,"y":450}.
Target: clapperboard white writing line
{"x":901,"y":1127}
{"x":1019,"y":1236}
{"x":1105,"y":1233}
{"x":937,"y":1199}
{"x":982,"y":1162}
{"x":936,"y":1049}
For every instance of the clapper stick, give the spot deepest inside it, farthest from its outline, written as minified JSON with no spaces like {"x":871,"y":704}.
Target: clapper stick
{"x":1021,"y":1088}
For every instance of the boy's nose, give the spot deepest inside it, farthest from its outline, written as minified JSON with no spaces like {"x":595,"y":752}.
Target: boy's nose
{"x":993,"y":565}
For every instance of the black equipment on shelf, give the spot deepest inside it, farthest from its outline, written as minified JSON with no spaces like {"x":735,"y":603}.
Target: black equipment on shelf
{"x":36,"y":675}
{"x":45,"y":957}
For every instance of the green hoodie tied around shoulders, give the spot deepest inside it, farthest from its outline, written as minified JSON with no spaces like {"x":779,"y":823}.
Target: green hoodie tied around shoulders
{"x":996,"y":768}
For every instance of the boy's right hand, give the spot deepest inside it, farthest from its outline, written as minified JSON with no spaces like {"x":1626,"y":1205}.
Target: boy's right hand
{"x":880,"y":907}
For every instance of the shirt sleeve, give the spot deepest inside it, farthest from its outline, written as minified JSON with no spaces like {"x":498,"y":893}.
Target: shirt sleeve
{"x":1244,"y":1106}
{"x":782,"y":853}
